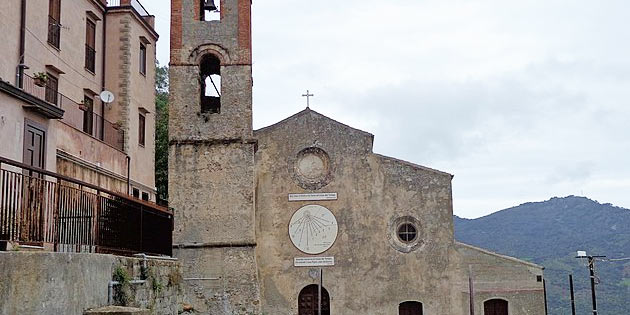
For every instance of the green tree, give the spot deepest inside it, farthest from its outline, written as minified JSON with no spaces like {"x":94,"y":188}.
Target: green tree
{"x":161,"y":133}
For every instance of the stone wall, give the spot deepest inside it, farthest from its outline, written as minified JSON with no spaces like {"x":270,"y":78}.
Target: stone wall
{"x":496,"y":276}
{"x":65,"y":283}
{"x":373,"y":272}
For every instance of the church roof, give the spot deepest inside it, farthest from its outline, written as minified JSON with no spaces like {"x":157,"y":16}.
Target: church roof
{"x":413,"y":165}
{"x":309,"y":111}
{"x":313,"y":115}
{"x":487,"y":252}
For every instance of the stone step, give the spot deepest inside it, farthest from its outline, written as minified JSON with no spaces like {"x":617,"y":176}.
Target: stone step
{"x":117,"y":310}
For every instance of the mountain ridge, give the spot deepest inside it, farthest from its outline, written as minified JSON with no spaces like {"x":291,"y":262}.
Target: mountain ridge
{"x":549,"y":233}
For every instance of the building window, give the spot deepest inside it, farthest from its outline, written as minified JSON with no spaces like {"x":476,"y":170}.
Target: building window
{"x":143,"y":59}
{"x":407,"y":232}
{"x":210,"y":10}
{"x":210,"y":78}
{"x":136,"y":193}
{"x":495,"y":307}
{"x":90,"y":46}
{"x":410,"y":308}
{"x":308,"y":300}
{"x":141,"y":129}
{"x":145,"y":196}
{"x":88,"y":115}
{"x":54,"y":22}
{"x":52,"y":87}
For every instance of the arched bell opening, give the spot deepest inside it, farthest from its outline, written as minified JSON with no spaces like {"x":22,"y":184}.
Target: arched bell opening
{"x":210,"y":79}
{"x":210,"y":10}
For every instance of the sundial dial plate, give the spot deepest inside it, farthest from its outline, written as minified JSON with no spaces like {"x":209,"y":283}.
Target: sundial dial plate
{"x":313,"y":229}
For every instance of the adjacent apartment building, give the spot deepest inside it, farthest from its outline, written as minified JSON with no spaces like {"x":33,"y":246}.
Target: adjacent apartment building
{"x":58,"y":56}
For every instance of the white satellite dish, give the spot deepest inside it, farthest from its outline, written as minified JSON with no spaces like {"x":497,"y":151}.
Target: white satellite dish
{"x":107,"y":97}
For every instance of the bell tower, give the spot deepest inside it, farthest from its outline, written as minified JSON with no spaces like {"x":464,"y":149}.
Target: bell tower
{"x":211,"y":154}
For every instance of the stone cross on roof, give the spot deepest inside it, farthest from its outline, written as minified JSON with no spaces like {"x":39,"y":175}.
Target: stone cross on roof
{"x":308,"y":98}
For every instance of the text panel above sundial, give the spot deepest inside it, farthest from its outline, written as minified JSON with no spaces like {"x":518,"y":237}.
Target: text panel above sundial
{"x":313,"y":229}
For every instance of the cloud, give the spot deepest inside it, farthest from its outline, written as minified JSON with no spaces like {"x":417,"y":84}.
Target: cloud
{"x":521,"y":100}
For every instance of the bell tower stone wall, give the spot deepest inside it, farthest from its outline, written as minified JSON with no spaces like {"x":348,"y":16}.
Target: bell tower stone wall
{"x":211,"y":157}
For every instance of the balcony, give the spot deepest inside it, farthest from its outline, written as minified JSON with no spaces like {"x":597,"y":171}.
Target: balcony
{"x":43,"y":209}
{"x":135,"y":4}
{"x":75,"y":116}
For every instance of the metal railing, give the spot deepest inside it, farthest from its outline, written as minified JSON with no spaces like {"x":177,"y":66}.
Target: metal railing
{"x":54,"y":31}
{"x":39,"y":207}
{"x":135,"y":4}
{"x":74,"y":115}
{"x":90,"y":58}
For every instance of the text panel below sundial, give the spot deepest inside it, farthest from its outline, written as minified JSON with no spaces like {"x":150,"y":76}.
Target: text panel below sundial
{"x":313,"y":229}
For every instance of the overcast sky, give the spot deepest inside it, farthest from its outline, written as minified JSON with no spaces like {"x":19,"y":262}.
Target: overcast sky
{"x":520,"y":100}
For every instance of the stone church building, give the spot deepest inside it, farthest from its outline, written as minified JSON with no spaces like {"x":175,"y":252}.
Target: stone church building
{"x":258,"y":213}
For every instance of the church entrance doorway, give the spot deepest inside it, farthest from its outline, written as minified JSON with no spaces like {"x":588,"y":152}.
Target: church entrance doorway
{"x":495,"y":307}
{"x":410,"y":308}
{"x":308,"y":301}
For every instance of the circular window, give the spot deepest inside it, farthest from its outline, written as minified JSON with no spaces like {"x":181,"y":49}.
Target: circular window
{"x":407,"y":232}
{"x":311,"y":168}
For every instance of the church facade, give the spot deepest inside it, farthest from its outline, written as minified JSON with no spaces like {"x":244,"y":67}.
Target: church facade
{"x":261,"y":217}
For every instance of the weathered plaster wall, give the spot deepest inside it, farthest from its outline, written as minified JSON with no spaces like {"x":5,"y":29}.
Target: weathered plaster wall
{"x":370,"y":276}
{"x":133,"y":91}
{"x":62,"y":283}
{"x":12,"y":115}
{"x":70,"y":57}
{"x":10,"y":39}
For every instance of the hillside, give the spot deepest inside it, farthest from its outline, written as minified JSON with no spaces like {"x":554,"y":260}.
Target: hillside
{"x":549,"y":233}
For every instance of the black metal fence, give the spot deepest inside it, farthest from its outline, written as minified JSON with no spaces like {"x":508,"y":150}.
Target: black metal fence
{"x":39,"y":207}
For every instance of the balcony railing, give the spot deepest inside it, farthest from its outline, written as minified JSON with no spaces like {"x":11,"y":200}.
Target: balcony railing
{"x":39,"y":207}
{"x":74,"y":116}
{"x":54,"y":31}
{"x":90,"y":58}
{"x":135,"y":4}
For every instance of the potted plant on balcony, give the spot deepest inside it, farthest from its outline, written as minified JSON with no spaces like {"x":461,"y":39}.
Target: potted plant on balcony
{"x":82,"y":106}
{"x":40,"y":78}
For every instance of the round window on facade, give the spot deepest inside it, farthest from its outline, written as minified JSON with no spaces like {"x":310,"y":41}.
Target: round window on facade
{"x":407,"y":232}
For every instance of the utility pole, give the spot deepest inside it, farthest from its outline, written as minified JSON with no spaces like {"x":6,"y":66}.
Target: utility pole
{"x":319,"y":289}
{"x":591,"y":269}
{"x":572,"y":294}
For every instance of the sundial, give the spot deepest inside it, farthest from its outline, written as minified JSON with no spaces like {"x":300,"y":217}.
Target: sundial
{"x":313,"y":229}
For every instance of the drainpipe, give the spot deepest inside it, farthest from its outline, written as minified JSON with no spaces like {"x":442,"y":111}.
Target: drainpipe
{"x":128,"y":175}
{"x":21,"y":66}
{"x":103,"y":73}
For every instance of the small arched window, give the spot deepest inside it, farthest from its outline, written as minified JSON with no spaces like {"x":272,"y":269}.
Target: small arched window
{"x":308,"y":301}
{"x":410,"y":308}
{"x":495,"y":307}
{"x":210,"y":77}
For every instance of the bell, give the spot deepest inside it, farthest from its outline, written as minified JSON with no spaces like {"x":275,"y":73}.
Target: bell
{"x":209,"y":5}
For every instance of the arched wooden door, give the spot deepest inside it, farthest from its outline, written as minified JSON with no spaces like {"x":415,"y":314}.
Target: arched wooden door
{"x":308,"y":301}
{"x":410,"y":308}
{"x":495,"y":307}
